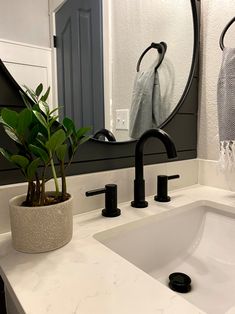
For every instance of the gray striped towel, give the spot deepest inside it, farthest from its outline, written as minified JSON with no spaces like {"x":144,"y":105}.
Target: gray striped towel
{"x":226,"y":109}
{"x":146,"y":102}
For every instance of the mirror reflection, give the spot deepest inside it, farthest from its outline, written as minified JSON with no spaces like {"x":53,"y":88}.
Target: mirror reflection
{"x":112,"y":92}
{"x":146,"y":99}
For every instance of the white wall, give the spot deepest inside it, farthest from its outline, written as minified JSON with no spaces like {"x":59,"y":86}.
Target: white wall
{"x":215,"y":14}
{"x":25,"y":21}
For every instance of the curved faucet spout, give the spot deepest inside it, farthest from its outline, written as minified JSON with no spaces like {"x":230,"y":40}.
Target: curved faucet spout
{"x":139,"y":184}
{"x":105,"y":133}
{"x":139,"y":150}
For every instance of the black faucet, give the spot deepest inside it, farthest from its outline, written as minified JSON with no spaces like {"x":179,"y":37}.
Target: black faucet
{"x":139,"y":184}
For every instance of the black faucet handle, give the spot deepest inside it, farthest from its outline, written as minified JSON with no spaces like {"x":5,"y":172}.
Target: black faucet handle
{"x":175,"y":176}
{"x":110,"y":191}
{"x":162,"y":187}
{"x":95,"y":192}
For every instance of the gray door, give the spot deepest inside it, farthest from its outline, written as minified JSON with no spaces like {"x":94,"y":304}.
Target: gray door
{"x":80,"y":62}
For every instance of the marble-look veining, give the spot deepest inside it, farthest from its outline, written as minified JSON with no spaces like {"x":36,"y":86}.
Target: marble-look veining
{"x":86,"y":277}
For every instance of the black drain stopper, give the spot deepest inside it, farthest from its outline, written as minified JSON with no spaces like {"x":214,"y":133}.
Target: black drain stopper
{"x":180,"y":282}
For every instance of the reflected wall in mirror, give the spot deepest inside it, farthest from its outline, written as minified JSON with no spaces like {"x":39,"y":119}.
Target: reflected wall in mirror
{"x":128,"y":28}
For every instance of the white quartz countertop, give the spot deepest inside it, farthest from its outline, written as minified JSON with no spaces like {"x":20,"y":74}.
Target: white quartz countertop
{"x":86,"y":277}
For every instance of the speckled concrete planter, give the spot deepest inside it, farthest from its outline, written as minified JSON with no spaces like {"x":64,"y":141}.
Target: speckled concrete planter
{"x":40,"y":229}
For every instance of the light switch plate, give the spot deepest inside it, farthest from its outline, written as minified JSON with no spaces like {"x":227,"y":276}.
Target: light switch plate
{"x":122,"y":119}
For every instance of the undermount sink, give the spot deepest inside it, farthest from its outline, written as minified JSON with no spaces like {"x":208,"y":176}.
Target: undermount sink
{"x":197,"y":239}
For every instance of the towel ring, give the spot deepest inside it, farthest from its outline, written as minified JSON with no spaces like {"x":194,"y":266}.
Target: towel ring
{"x":161,"y":48}
{"x":221,"y":42}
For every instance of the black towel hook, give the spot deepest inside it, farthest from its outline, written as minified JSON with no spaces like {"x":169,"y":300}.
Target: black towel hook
{"x":161,"y":48}
{"x":221,"y":41}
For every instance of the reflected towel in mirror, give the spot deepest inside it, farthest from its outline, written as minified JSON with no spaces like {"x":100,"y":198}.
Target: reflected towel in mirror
{"x":146,"y":108}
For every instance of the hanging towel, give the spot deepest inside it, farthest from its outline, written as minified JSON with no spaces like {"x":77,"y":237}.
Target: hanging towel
{"x":158,"y":106}
{"x":226,"y":110}
{"x":146,"y":98}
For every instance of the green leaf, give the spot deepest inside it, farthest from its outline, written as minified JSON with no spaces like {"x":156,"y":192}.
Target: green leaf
{"x":32,"y":168}
{"x":42,"y":138}
{"x":20,"y":161}
{"x":39,"y":89}
{"x":56,"y":140}
{"x":61,"y":152}
{"x":31,"y":93}
{"x":37,"y":131}
{"x":5,"y":154}
{"x":44,"y":107}
{"x":69,"y":125}
{"x":81,"y":132}
{"x":10,"y":117}
{"x":26,"y":100}
{"x":33,"y":133}
{"x":36,"y":108}
{"x":83,"y":140}
{"x":39,"y":152}
{"x":41,"y":119}
{"x":45,"y":96}
{"x":11,"y":133}
{"x":52,"y":121}
{"x":54,"y":110}
{"x":25,"y":119}
{"x":3,"y":122}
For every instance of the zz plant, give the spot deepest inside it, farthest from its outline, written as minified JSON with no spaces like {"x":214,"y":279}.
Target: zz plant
{"x":41,"y":143}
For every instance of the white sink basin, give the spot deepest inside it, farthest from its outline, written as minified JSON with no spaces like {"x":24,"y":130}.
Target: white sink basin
{"x":198,"y":239}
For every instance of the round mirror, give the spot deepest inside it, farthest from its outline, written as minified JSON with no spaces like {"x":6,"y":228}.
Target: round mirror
{"x":122,"y":65}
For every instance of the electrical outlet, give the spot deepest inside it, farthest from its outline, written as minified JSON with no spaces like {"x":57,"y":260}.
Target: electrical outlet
{"x":122,"y":119}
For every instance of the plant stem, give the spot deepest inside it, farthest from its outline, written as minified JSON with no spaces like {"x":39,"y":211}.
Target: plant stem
{"x":28,"y":194}
{"x":33,"y":192}
{"x":69,"y":162}
{"x":43,"y":196}
{"x":52,"y":162}
{"x":37,"y":197}
{"x":54,"y":175}
{"x":63,"y":180}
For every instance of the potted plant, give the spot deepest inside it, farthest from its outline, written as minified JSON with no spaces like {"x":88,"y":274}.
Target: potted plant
{"x":41,"y":220}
